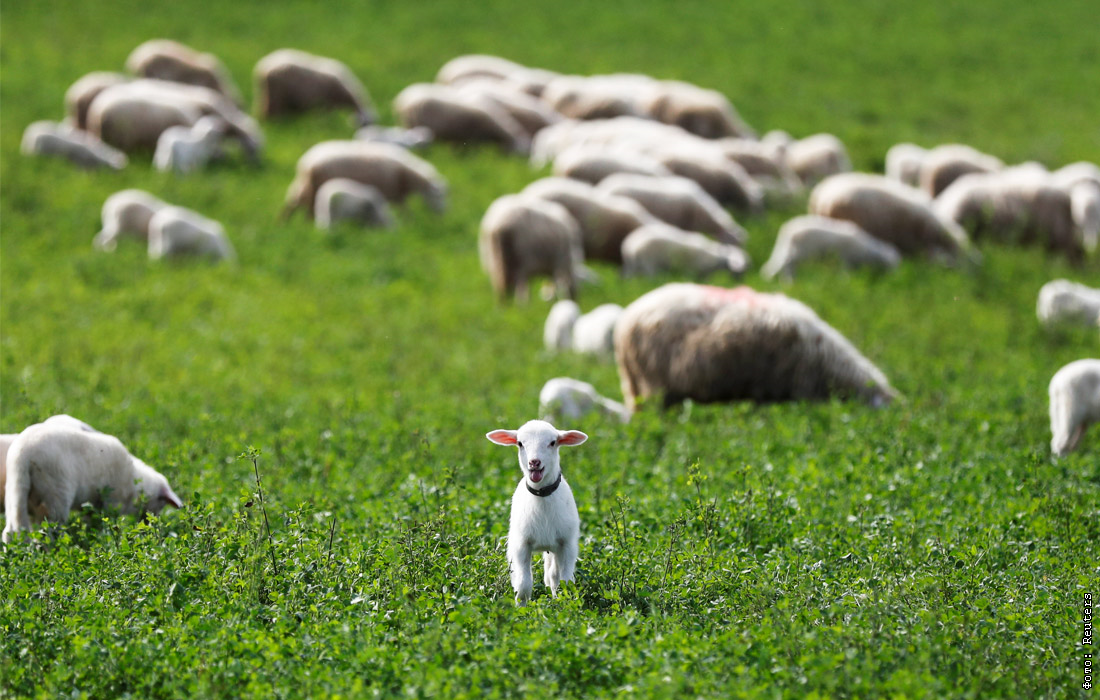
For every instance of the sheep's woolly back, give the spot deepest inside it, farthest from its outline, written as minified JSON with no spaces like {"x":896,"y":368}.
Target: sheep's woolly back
{"x":715,"y":344}
{"x":677,"y":201}
{"x":816,"y":157}
{"x":944,"y":164}
{"x":165,"y":59}
{"x":455,"y":114}
{"x":903,"y":163}
{"x":524,"y":236}
{"x":289,"y":81}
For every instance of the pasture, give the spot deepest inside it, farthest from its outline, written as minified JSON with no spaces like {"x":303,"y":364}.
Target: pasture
{"x":930,"y":549}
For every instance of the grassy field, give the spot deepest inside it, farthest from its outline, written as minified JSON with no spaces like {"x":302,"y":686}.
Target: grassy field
{"x":932,"y":549}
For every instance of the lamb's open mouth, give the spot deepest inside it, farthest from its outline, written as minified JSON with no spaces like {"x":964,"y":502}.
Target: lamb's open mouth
{"x":535,"y":475}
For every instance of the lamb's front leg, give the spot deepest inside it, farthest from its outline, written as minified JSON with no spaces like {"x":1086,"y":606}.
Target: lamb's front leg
{"x":519,"y":564}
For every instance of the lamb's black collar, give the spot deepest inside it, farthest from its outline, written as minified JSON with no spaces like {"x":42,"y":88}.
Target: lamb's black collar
{"x":543,"y":493}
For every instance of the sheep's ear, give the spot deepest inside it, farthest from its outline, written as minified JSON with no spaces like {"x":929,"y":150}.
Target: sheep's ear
{"x":171,"y":498}
{"x":571,"y":437}
{"x":502,"y":437}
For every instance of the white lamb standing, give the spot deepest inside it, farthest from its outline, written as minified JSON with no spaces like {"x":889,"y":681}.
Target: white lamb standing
{"x":1074,"y":404}
{"x":126,"y":214}
{"x":177,"y":231}
{"x":344,"y":199}
{"x":45,"y":138}
{"x":570,"y":399}
{"x":813,"y":237}
{"x":656,"y":248}
{"x":544,"y":514}
{"x":54,"y":468}
{"x":186,"y":149}
{"x":1062,"y":301}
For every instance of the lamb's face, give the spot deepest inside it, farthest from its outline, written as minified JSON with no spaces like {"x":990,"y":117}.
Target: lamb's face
{"x":155,"y":488}
{"x":538,"y":444}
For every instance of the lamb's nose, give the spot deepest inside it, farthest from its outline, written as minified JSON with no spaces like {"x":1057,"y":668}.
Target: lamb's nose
{"x":536,"y":463}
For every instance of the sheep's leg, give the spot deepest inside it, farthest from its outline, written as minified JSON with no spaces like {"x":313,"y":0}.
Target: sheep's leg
{"x":550,"y":575}
{"x":567,"y":560}
{"x":519,"y":561}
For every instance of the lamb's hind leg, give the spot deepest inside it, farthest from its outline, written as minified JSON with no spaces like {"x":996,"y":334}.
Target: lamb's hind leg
{"x":551,"y":572}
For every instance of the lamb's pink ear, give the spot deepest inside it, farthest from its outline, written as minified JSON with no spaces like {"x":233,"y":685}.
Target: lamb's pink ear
{"x":502,"y":437}
{"x":571,"y":437}
{"x":171,"y":498}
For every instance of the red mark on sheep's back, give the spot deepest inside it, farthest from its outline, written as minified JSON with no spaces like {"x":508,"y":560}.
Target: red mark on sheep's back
{"x":738,"y":295}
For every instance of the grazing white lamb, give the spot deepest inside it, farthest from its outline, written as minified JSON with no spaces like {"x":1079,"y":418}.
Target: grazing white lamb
{"x":705,"y":343}
{"x":341,"y":199}
{"x":45,"y":138}
{"x":1074,"y":404}
{"x":461,"y":116}
{"x":557,"y":332}
{"x":544,"y":514}
{"x":186,"y":149}
{"x":6,"y":441}
{"x":656,"y":248}
{"x":177,"y":231}
{"x":54,"y":468}
{"x":165,"y":59}
{"x":571,"y":399}
{"x":126,"y":214}
{"x":812,"y":237}
{"x":1062,"y":301}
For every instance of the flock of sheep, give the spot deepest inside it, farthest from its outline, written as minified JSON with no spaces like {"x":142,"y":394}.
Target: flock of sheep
{"x":647,"y":174}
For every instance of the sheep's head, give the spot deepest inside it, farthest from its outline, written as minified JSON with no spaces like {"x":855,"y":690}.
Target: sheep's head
{"x":154,"y":487}
{"x":538,"y":444}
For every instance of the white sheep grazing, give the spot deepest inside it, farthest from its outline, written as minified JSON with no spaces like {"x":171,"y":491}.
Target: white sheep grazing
{"x":1074,"y":404}
{"x":903,"y":163}
{"x":893,"y":212}
{"x":705,"y":343}
{"x":557,"y":332}
{"x":678,"y":201}
{"x":723,"y":179}
{"x":530,"y":112}
{"x":165,"y":59}
{"x":416,"y":137}
{"x":1021,"y":205}
{"x":816,"y":157}
{"x":6,"y":441}
{"x":126,"y":214}
{"x":811,"y":237}
{"x":944,"y":164}
{"x":45,"y":138}
{"x":54,"y":468}
{"x":463,"y":69}
{"x":701,"y":111}
{"x":767,"y":164}
{"x":544,"y":514}
{"x":1084,"y":202}
{"x":457,"y":115}
{"x":522,"y":236}
{"x":186,"y":149}
{"x":658,"y":248}
{"x":341,"y":199}
{"x":395,"y":171}
{"x":598,"y":96}
{"x":289,"y":81}
{"x":570,"y":399}
{"x":592,"y":164}
{"x":177,"y":231}
{"x":1062,"y":301}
